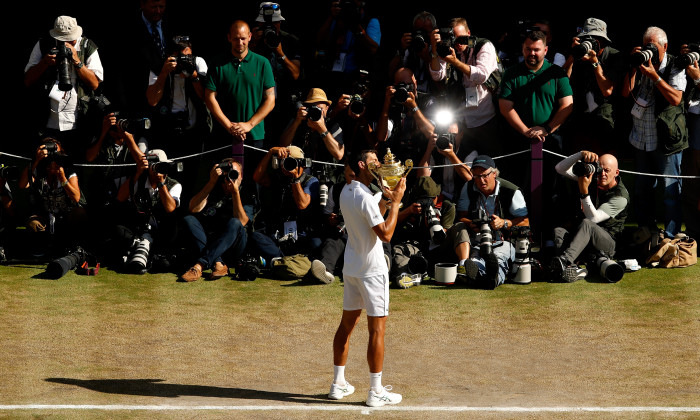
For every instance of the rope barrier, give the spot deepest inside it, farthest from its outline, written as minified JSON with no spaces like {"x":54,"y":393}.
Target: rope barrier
{"x":99,"y":165}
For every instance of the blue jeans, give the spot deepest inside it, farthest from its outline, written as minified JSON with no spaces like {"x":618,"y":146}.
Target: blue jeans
{"x":228,"y":237}
{"x":643,"y":201}
{"x":505,"y":254}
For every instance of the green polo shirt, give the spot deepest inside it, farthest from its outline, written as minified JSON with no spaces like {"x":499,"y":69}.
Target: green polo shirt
{"x":240,"y":87}
{"x":535,"y":94}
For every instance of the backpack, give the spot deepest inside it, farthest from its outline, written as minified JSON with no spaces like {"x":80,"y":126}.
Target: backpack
{"x":291,"y":267}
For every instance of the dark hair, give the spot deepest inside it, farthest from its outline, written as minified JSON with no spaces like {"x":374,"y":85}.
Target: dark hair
{"x":353,"y":158}
{"x":536,"y":36}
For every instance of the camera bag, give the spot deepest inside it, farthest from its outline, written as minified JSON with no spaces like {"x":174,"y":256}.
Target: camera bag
{"x":291,"y":267}
{"x":676,"y":252}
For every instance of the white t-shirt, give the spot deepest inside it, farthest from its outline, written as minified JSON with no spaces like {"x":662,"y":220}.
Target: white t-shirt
{"x":364,"y":254}
{"x":180,"y":100}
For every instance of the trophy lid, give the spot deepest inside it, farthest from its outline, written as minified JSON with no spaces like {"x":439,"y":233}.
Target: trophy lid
{"x":389,"y":158}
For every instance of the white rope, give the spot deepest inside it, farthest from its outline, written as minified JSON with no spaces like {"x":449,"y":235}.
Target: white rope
{"x":98,"y":165}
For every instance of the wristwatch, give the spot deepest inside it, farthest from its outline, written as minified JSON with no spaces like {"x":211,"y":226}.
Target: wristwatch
{"x":79,"y":65}
{"x":160,"y":184}
{"x":324,"y":134}
{"x":596,"y":64}
{"x":583,"y":196}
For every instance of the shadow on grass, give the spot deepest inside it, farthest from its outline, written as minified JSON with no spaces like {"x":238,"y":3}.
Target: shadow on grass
{"x":157,"y":388}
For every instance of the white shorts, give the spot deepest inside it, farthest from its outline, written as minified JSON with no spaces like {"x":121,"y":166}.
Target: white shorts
{"x":369,"y":293}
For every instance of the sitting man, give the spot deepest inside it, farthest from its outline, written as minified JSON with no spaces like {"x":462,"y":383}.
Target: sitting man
{"x":218,"y":221}
{"x":420,"y":229}
{"x":604,"y":214}
{"x":489,"y":204}
{"x":57,"y":205}
{"x":289,"y":200}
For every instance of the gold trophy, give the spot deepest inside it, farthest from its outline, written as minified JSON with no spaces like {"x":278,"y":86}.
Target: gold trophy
{"x":391,"y":171}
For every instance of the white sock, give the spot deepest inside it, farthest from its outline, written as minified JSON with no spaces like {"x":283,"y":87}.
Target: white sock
{"x":375,"y":382}
{"x":461,"y":262}
{"x":339,"y":375}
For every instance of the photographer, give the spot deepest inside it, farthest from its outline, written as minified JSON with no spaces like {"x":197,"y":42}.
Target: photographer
{"x":283,"y":50}
{"x":415,"y":51}
{"x":56,"y":203}
{"x":656,"y":85}
{"x":319,"y":142}
{"x":420,"y":228}
{"x":149,"y":226}
{"x":691,"y":192}
{"x":442,"y":150}
{"x":217,"y":224}
{"x":604,"y":209}
{"x":61,"y":71}
{"x":289,"y":199}
{"x":348,"y":40}
{"x":595,"y":71}
{"x":351,"y":112}
{"x":7,"y":208}
{"x":402,"y":126}
{"x":117,"y":149}
{"x":488,"y":208}
{"x":464,"y":64}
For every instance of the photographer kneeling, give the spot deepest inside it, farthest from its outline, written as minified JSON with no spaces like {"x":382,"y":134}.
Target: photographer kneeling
{"x":217,"y":225}
{"x":154,"y":196}
{"x":604,"y":213}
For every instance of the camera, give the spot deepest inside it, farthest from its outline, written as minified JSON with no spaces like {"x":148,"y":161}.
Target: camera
{"x":448,"y":40}
{"x":648,"y":52}
{"x":228,"y":170}
{"x":428,"y":213}
{"x":9,"y":173}
{"x":357,"y":105}
{"x":586,"y":168}
{"x":54,"y":155}
{"x":59,"y":267}
{"x":610,"y":270}
{"x":137,"y":258}
{"x":64,"y":57}
{"x":185,"y":64}
{"x":521,"y":269}
{"x":270,"y":37}
{"x":248,"y":267}
{"x":418,"y":41}
{"x":402,"y":89}
{"x":289,"y":163}
{"x":484,"y":237}
{"x":163,"y":168}
{"x":132,"y":125}
{"x":314,"y":113}
{"x":586,"y":44}
{"x":444,"y":140}
{"x":687,"y":59}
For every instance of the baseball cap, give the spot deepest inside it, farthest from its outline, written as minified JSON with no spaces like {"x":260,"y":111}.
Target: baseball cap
{"x":483,"y":161}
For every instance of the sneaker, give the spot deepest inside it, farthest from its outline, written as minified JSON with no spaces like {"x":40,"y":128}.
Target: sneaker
{"x":557,"y":266}
{"x":318,"y":269}
{"x":193,"y":274}
{"x":338,"y":392}
{"x":468,"y":271}
{"x":383,"y":398}
{"x":220,"y":270}
{"x":405,"y":280}
{"x":573,"y":273}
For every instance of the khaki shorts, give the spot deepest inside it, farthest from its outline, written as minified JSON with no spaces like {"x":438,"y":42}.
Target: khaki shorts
{"x":370,"y":293}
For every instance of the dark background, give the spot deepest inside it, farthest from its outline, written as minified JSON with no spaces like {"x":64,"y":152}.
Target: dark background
{"x":207,"y":23}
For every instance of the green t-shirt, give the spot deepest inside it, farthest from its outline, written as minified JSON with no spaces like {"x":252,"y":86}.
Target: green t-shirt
{"x":535,"y":94}
{"x":240,"y":87}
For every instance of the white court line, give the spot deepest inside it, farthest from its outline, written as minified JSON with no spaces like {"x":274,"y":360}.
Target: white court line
{"x":338,"y":407}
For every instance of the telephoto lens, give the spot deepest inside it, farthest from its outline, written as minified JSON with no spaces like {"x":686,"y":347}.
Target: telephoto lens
{"x":585,"y":168}
{"x":323,"y":195}
{"x":610,"y":270}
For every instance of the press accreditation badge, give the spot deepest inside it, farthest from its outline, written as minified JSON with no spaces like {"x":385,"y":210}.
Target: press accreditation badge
{"x":290,"y":229}
{"x":339,"y":63}
{"x":639,"y":106}
{"x":472,"y":97}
